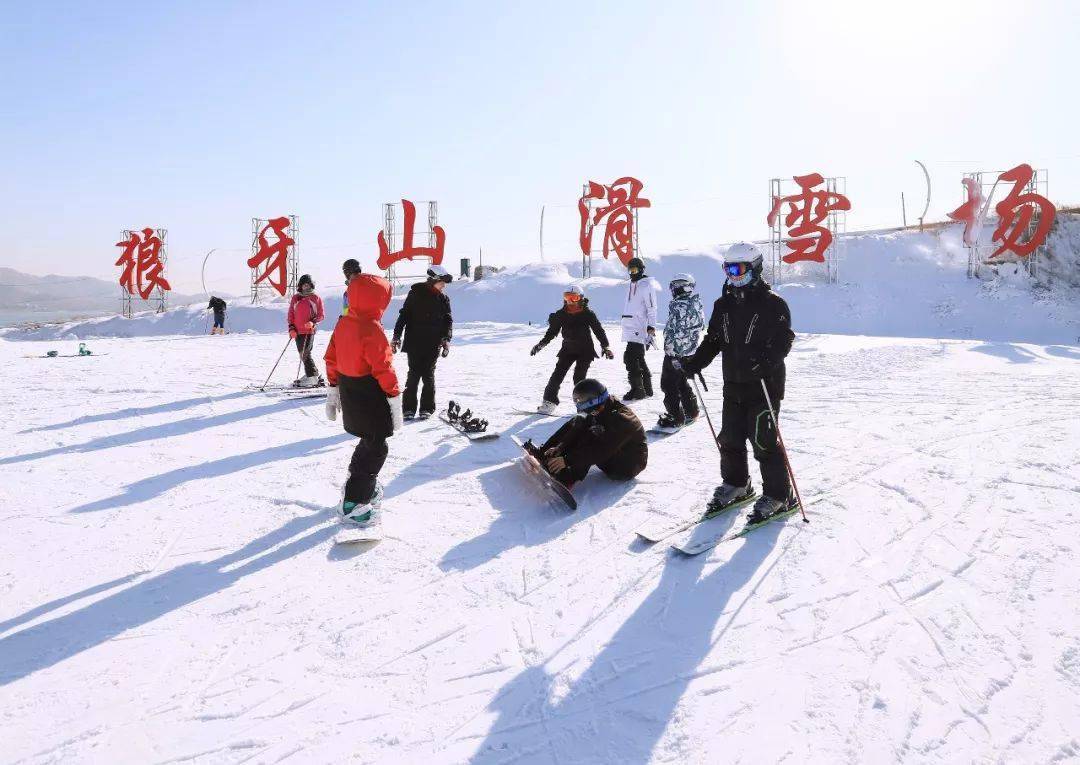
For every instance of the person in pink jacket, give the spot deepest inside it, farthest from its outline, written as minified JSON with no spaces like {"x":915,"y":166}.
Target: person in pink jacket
{"x":305,"y":313}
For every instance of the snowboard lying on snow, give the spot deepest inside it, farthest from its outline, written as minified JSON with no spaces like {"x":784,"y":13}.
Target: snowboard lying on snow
{"x":532,"y":467}
{"x":472,"y":427}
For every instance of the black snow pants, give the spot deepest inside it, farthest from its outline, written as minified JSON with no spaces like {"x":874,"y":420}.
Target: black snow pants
{"x":304,"y":344}
{"x":746,"y":417}
{"x":637,"y":371}
{"x":421,"y":369}
{"x":219,"y":320}
{"x":679,"y":400}
{"x":367,"y":460}
{"x":562,"y":365}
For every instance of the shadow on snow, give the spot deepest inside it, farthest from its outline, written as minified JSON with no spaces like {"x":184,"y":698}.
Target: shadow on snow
{"x":137,"y":411}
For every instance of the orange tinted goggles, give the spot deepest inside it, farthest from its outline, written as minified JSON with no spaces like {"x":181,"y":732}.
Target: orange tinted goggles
{"x":571,"y":297}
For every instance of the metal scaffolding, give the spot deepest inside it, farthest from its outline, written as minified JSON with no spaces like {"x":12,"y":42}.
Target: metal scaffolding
{"x":393,"y":235}
{"x":292,"y":258}
{"x":601,"y":227}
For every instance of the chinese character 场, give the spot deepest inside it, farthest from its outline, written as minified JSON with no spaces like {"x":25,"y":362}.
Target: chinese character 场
{"x":621,"y":200}
{"x":407,"y":251}
{"x":808,"y":209}
{"x":1015,"y":214}
{"x":272,"y":256}
{"x":142,"y":264}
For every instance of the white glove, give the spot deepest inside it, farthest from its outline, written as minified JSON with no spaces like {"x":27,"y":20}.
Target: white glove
{"x":395,"y":413}
{"x":333,"y":402}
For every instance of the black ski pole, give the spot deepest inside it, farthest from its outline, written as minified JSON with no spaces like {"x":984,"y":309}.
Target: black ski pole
{"x":708,"y":419}
{"x":783,"y":449}
{"x":703,"y":383}
{"x":279,"y":358}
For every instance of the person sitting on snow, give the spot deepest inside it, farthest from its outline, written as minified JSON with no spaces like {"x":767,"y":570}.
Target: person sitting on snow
{"x":606,"y":433}
{"x":575,"y":321}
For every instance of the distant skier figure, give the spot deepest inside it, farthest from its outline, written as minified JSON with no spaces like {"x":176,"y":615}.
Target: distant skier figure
{"x":363,"y":384}
{"x":606,"y":433}
{"x":682,"y":333}
{"x":428,"y":325}
{"x":751,"y":326}
{"x":218,"y":306}
{"x":305,"y":313}
{"x":349,"y":269}
{"x":575,"y":321}
{"x":638,"y":329}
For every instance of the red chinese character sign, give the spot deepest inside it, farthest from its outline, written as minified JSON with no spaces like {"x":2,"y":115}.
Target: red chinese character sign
{"x":275,"y":257}
{"x":616,"y":206}
{"x":1024,"y":216}
{"x":143,"y":261}
{"x":387,"y":238}
{"x":807,"y":210}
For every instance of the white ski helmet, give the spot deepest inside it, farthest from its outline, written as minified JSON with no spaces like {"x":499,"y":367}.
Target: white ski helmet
{"x":743,"y":264}
{"x":439,"y":274}
{"x":682,"y":284}
{"x":573,"y":289}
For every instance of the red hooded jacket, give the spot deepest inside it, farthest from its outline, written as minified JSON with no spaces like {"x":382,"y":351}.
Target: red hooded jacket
{"x":358,"y":346}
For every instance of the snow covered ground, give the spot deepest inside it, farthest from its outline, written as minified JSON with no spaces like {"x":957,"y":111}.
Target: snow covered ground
{"x":169,"y":591}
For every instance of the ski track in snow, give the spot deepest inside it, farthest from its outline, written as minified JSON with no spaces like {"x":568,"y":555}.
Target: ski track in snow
{"x":170,"y":591}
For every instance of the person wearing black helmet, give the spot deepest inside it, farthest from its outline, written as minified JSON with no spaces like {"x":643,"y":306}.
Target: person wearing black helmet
{"x":427,"y":325}
{"x":349,"y":269}
{"x":305,"y":313}
{"x":606,"y":433}
{"x":751,"y":326}
{"x":638,"y":329}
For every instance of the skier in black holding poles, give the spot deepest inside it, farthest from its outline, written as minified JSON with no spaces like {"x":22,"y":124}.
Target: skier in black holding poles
{"x":217,"y":305}
{"x":574,"y":320}
{"x":751,"y":326}
{"x":428,"y":326}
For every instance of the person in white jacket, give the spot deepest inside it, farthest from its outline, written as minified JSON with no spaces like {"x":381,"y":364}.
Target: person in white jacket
{"x":638,"y":329}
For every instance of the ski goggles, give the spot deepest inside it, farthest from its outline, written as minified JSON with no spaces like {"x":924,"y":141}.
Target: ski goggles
{"x":634,"y":270}
{"x":571,"y":297}
{"x":591,"y":403}
{"x":736,"y":269}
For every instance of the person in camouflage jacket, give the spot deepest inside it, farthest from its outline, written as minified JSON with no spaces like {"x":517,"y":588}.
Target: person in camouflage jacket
{"x":682,"y":333}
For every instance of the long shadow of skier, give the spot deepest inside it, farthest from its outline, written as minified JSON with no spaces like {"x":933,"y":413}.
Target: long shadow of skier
{"x":51,"y":642}
{"x":165,"y":430}
{"x":618,"y":709}
{"x":526,"y":517}
{"x":148,"y":488}
{"x":138,"y":411}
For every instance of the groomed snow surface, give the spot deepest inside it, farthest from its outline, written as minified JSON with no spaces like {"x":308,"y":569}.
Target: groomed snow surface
{"x":169,"y":590}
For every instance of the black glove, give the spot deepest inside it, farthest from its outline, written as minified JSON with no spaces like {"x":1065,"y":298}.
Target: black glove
{"x":536,"y":349}
{"x":682,"y":365}
{"x":759,"y":367}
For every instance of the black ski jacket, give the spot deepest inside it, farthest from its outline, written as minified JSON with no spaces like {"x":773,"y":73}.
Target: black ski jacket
{"x":613,"y":440}
{"x":217,"y":304}
{"x":575,"y":327}
{"x":751,"y":326}
{"x":425,"y":319}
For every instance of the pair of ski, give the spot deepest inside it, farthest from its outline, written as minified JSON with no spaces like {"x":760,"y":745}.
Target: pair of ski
{"x":700,"y":537}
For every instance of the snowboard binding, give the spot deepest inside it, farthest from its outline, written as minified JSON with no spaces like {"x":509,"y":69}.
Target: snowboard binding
{"x":465,"y":420}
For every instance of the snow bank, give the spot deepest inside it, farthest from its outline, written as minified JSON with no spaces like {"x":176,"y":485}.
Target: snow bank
{"x":897,"y":285}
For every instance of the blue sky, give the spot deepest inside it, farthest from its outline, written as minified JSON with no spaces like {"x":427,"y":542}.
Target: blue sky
{"x":197,"y":116}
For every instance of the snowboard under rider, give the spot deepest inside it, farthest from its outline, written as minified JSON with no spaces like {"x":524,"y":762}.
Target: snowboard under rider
{"x":364,"y":386}
{"x":606,"y":433}
{"x":638,"y":329}
{"x":305,"y":313}
{"x":751,"y":326}
{"x":428,"y":326}
{"x":682,"y":333}
{"x":218,"y":306}
{"x":575,"y":320}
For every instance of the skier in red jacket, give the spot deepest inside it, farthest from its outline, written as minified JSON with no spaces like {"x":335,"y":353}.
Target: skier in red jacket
{"x":305,"y":313}
{"x":363,"y":384}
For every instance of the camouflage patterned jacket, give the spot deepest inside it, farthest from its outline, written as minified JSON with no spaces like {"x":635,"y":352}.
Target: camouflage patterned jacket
{"x":686,"y":320}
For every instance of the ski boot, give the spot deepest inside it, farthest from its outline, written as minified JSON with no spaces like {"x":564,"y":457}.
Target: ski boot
{"x":424,"y":415}
{"x":308,"y":381}
{"x":670,"y":421}
{"x":363,"y":515}
{"x":547,"y":407}
{"x":634,"y":394}
{"x":726,"y":494}
{"x":766,"y":507}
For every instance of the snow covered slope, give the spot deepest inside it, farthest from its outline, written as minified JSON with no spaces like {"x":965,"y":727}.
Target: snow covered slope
{"x":169,"y":592}
{"x":899,"y":285}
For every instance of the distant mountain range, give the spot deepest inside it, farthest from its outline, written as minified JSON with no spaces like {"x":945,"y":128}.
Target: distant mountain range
{"x":42,"y":299}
